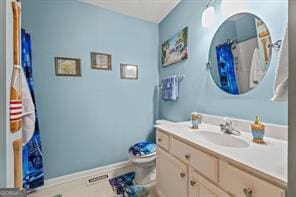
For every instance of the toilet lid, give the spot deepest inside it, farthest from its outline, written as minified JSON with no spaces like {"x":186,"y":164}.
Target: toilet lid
{"x":142,"y":149}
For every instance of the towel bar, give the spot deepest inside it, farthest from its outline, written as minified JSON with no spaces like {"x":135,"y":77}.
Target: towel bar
{"x":180,"y":77}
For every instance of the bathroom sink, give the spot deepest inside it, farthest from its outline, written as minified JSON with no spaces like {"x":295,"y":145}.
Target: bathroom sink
{"x":222,"y":139}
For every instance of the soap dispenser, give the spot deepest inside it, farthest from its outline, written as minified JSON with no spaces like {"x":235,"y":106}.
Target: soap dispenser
{"x":195,"y":120}
{"x":258,"y":130}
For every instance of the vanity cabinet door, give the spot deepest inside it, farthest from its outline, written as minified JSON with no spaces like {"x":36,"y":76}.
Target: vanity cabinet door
{"x":171,"y":176}
{"x":200,"y":187}
{"x":242,"y":184}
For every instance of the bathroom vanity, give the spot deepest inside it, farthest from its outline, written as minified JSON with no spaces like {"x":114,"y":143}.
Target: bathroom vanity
{"x":208,"y":162}
{"x":205,"y":162}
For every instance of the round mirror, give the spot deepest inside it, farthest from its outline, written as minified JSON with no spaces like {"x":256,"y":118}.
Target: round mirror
{"x":240,"y":53}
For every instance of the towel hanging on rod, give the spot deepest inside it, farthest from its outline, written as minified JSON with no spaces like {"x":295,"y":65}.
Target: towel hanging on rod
{"x":280,"y":87}
{"x":170,"y":87}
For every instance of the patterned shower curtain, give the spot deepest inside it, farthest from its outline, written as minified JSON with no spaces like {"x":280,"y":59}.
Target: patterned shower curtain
{"x":226,"y":68}
{"x":33,"y":174}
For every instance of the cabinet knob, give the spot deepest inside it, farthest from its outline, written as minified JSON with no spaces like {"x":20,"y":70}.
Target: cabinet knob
{"x":159,"y":139}
{"x":187,"y":156}
{"x":192,"y":183}
{"x":247,"y":192}
{"x":182,"y":174}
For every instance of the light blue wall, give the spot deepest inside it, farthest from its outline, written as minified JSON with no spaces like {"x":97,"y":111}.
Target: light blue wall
{"x":246,"y":28}
{"x":92,"y":120}
{"x":198,"y":91}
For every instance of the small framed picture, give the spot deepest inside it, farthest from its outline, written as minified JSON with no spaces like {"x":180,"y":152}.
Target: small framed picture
{"x":101,"y":61}
{"x":128,"y":71}
{"x":65,"y":66}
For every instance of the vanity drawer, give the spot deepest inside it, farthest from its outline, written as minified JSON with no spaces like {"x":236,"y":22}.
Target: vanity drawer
{"x":163,"y":140}
{"x":200,"y":161}
{"x":240,"y":183}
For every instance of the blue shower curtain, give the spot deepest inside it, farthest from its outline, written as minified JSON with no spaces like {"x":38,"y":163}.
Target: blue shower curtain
{"x":226,"y":69}
{"x":33,"y":174}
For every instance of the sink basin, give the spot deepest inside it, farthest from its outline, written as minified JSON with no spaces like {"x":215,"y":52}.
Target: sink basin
{"x":222,"y":139}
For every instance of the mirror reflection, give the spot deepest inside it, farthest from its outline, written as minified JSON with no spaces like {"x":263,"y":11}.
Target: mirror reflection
{"x":240,"y":53}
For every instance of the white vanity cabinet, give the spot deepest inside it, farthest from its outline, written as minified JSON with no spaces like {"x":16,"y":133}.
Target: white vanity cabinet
{"x":201,"y":187}
{"x":184,"y":170}
{"x":172,"y":176}
{"x":240,"y":183}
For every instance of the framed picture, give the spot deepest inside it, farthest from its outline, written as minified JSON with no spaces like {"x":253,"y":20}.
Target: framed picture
{"x":65,"y":66}
{"x":101,"y":61}
{"x":128,"y":71}
{"x":175,"y":49}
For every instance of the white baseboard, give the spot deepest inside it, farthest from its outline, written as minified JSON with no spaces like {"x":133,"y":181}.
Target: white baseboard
{"x":84,"y":174}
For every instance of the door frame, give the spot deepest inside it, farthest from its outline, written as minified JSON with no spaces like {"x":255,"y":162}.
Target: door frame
{"x":292,"y":101}
{"x":3,"y":101}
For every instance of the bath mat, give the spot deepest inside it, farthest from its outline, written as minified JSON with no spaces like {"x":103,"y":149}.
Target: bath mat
{"x":124,"y":186}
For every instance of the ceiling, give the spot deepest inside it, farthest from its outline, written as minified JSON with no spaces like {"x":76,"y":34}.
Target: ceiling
{"x":149,"y":10}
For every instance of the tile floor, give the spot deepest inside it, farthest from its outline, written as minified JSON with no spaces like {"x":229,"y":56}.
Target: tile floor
{"x":79,"y":188}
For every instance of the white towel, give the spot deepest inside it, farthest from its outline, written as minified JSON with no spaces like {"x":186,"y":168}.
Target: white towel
{"x":280,"y":87}
{"x":28,"y":116}
{"x":257,"y":69}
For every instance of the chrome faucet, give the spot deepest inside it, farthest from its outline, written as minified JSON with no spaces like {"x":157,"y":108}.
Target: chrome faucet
{"x":228,"y":128}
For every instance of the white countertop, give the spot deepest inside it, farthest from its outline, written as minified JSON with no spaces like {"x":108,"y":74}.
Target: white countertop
{"x":269,"y":159}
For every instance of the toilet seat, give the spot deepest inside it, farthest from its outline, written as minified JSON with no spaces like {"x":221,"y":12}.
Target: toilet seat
{"x":144,"y":156}
{"x":142,"y":149}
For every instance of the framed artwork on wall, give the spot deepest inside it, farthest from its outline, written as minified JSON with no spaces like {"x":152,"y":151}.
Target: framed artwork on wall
{"x":65,"y":66}
{"x":101,"y":61}
{"x":175,"y":49}
{"x":128,"y":71}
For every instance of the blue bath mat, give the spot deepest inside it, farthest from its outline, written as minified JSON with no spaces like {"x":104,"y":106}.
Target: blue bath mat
{"x":124,"y":186}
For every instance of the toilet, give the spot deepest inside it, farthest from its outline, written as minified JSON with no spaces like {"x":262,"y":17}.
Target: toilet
{"x":143,"y":156}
